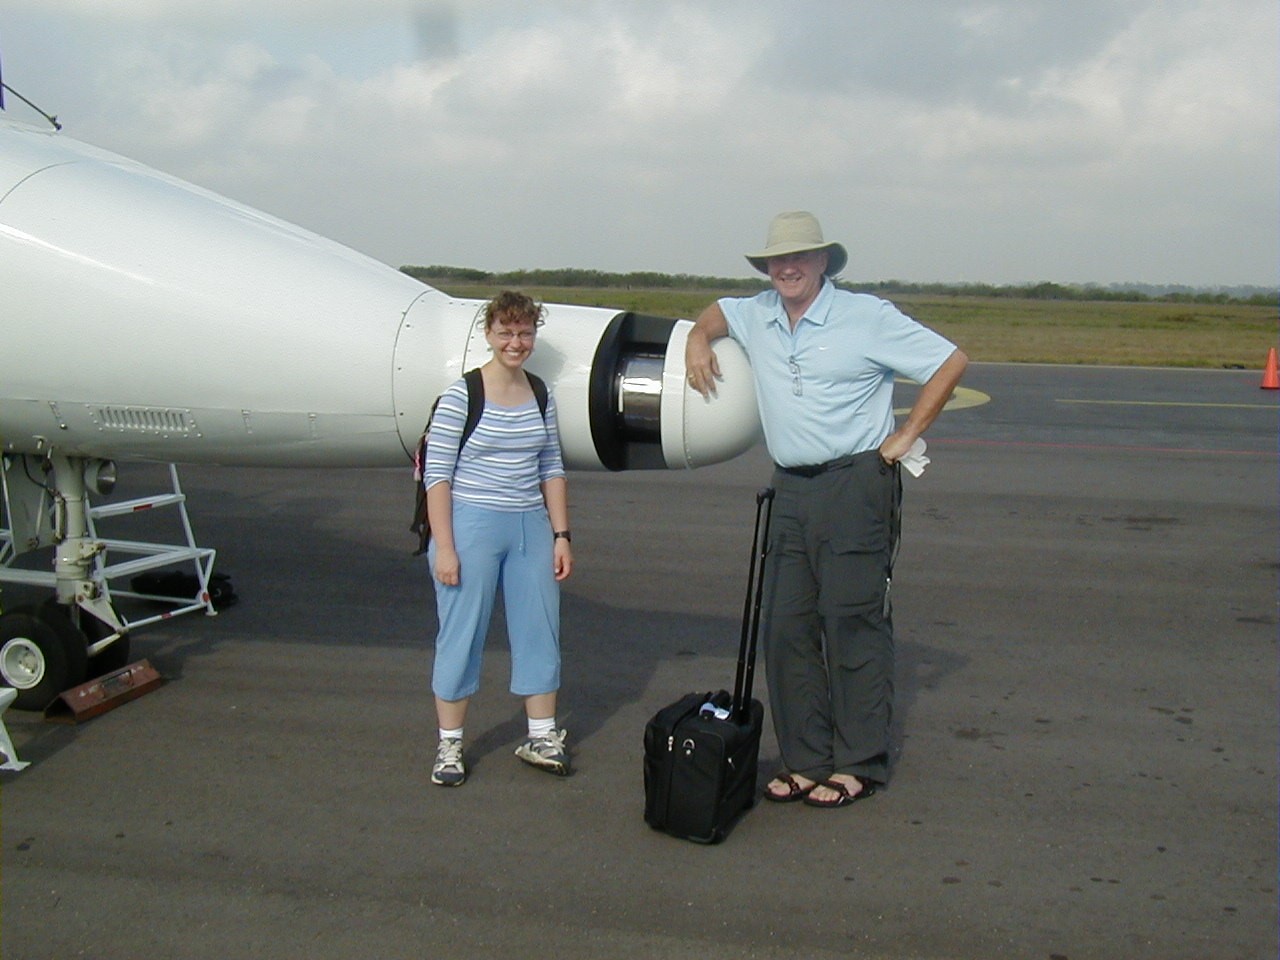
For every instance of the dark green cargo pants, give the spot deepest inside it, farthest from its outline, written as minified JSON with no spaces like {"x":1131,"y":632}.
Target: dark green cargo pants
{"x":827,"y":626}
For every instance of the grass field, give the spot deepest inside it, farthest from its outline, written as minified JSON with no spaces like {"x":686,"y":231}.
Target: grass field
{"x":1027,"y":331}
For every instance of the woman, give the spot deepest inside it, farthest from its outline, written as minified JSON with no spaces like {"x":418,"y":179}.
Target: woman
{"x":499,"y":514}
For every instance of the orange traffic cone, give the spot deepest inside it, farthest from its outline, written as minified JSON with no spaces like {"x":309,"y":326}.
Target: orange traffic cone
{"x":1270,"y":376}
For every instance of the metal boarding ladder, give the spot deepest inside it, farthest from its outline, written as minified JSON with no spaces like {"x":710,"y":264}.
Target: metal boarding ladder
{"x":151,"y":556}
{"x":145,"y":556}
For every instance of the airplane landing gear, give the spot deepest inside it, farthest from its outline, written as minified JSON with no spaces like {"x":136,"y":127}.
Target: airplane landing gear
{"x":80,"y":633}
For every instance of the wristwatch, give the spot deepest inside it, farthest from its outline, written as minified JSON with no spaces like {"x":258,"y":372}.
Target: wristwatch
{"x":562,"y":535}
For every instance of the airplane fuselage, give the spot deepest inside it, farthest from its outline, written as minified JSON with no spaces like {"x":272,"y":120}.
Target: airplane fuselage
{"x":143,"y":317}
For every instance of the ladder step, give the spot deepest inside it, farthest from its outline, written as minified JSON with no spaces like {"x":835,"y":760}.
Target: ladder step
{"x":135,"y":506}
{"x":161,"y":558}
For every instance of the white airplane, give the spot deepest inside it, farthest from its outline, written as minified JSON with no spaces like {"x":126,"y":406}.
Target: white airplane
{"x":146,"y":319}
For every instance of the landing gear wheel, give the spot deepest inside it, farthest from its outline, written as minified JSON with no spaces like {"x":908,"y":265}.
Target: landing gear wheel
{"x":90,"y":631}
{"x":39,"y":659}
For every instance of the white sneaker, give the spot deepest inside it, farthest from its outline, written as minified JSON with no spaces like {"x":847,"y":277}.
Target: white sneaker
{"x":448,"y":770}
{"x":546,"y":753}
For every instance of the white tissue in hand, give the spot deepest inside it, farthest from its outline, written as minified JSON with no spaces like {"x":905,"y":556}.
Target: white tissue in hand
{"x":914,"y":460}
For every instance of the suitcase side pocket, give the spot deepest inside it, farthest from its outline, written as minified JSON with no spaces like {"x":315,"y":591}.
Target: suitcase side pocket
{"x":659,"y":755}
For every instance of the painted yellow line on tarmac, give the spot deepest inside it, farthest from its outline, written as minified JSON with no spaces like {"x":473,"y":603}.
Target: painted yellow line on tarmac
{"x":961,"y":399}
{"x":1173,"y":403}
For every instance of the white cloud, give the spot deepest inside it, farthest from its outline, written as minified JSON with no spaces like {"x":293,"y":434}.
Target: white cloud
{"x":994,"y":141}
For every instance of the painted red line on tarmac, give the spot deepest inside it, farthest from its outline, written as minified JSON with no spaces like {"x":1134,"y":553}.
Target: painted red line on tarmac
{"x":942,"y":442}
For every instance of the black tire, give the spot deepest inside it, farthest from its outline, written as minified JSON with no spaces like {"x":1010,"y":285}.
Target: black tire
{"x":90,"y":631}
{"x":76,"y":641}
{"x":39,"y":659}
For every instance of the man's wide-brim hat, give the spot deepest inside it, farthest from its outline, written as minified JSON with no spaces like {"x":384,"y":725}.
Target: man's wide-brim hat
{"x":798,"y":231}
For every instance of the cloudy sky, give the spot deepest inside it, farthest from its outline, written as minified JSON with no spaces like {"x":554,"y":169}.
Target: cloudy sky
{"x":1007,"y":141}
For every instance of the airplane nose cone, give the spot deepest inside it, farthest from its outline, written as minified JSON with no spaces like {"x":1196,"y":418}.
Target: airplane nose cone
{"x":698,"y":431}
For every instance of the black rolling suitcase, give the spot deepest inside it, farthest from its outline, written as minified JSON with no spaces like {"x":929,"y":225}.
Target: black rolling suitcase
{"x":700,"y":753}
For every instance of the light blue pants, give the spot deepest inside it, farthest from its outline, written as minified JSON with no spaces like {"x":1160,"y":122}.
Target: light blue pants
{"x":512,"y":551}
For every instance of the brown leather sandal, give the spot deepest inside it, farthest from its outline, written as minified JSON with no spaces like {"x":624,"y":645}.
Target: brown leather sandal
{"x":845,"y":797}
{"x":794,"y":790}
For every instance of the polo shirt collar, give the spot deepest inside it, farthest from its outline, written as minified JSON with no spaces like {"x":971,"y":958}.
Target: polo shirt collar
{"x":818,"y":311}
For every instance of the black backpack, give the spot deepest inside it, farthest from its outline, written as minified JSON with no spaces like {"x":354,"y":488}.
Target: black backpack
{"x":421,"y":525}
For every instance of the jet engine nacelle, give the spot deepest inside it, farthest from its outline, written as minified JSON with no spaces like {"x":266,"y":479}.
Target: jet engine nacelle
{"x":142,"y":317}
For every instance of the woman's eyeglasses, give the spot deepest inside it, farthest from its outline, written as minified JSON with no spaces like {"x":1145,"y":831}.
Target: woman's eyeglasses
{"x":506,"y":336}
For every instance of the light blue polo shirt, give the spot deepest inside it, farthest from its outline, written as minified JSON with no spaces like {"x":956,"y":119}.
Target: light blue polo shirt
{"x":826,"y":389}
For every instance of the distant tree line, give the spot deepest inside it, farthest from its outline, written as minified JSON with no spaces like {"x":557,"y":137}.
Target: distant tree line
{"x":650,"y":280}
{"x":1128,"y":293}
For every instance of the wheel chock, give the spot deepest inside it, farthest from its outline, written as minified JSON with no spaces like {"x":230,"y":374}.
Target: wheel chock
{"x":105,"y":693}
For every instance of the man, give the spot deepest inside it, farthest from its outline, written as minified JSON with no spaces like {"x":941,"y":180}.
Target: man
{"x":824,"y":361}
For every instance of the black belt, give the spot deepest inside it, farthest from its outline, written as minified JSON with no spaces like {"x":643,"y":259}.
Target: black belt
{"x":814,"y":469}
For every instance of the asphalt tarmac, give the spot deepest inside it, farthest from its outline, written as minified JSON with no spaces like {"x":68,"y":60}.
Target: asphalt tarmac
{"x":1086,"y":722}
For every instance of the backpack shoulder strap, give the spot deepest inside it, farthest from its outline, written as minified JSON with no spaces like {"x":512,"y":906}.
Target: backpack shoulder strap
{"x":475,"y":403}
{"x":539,"y":391}
{"x":475,"y":399}
{"x":420,"y":450}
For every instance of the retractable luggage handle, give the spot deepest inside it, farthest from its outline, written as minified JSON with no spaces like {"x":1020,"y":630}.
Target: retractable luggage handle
{"x":745,"y":678}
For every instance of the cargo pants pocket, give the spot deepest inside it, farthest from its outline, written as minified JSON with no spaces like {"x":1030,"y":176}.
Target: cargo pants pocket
{"x":860,"y":532}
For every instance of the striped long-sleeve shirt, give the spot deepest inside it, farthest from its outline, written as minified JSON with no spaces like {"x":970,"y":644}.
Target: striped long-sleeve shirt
{"x":504,"y":462}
